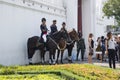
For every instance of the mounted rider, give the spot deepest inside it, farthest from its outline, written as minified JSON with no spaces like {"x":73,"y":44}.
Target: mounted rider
{"x":53,"y":27}
{"x":64,"y":29}
{"x":44,"y":31}
{"x":63,"y":26}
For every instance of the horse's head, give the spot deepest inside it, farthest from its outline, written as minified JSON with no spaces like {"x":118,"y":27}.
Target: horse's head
{"x":65,"y":35}
{"x":74,"y":35}
{"x":60,"y":34}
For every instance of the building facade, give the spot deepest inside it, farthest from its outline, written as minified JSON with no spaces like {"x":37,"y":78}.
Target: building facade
{"x":20,"y":19}
{"x":101,"y":21}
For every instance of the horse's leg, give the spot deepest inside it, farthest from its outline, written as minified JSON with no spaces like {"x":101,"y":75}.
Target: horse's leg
{"x":58,"y":56}
{"x":54,"y":52}
{"x":70,"y":53}
{"x":50,"y":56}
{"x":30,"y":55}
{"x":42,"y":56}
{"x":77,"y":54}
{"x":62,"y":56}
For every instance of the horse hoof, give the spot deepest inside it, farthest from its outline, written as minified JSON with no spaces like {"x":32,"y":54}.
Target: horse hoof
{"x":76,"y":59}
{"x":61,"y":62}
{"x":70,"y":61}
{"x":57,"y":61}
{"x":30,"y":63}
{"x":43,"y":62}
{"x":50,"y":62}
{"x":54,"y":63}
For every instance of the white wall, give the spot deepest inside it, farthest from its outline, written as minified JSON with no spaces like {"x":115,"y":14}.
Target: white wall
{"x":18,"y":23}
{"x":71,"y":12}
{"x":100,"y":22}
{"x":71,"y":7}
{"x":88,"y":19}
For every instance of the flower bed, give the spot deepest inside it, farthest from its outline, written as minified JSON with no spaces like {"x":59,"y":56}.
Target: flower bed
{"x":68,"y":71}
{"x":31,"y":77}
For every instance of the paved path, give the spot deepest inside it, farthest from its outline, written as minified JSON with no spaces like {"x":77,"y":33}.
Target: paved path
{"x":97,"y":62}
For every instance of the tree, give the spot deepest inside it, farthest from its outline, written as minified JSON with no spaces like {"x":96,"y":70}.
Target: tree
{"x":111,"y":8}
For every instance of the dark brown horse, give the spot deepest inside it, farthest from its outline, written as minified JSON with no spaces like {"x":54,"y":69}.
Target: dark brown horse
{"x":32,"y":45}
{"x":61,"y":48}
{"x":69,"y":46}
{"x":54,"y":43}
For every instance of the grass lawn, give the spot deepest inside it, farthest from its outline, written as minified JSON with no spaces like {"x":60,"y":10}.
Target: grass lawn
{"x":59,"y":72}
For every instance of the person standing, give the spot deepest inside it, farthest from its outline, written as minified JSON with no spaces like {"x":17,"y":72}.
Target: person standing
{"x":103,"y":47}
{"x":98,"y":49}
{"x":110,"y":50}
{"x":53,"y":27}
{"x":91,"y":47}
{"x":116,"y":48}
{"x":80,"y":46}
{"x":119,"y":47}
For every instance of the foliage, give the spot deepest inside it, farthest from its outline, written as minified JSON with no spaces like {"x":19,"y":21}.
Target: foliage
{"x":111,"y":8}
{"x":66,"y":71}
{"x":31,"y":77}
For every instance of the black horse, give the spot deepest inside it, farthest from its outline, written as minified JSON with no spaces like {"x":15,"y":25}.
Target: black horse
{"x":32,"y":45}
{"x":54,"y":43}
{"x":73,"y":35}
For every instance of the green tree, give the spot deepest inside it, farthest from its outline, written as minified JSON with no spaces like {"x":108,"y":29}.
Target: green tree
{"x":111,"y":8}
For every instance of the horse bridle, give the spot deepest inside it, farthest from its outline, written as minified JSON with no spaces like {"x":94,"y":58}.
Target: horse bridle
{"x":61,"y":49}
{"x":71,"y":42}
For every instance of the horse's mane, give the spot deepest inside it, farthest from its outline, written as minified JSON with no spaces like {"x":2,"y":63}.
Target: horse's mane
{"x":70,"y":31}
{"x":56,"y":35}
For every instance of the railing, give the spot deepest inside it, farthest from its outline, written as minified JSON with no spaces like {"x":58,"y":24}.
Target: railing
{"x":38,"y":5}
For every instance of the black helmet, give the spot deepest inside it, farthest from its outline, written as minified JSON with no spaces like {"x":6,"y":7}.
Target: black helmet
{"x":43,"y":19}
{"x":54,"y":21}
{"x":63,"y":23}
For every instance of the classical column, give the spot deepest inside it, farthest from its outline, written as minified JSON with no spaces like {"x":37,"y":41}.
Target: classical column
{"x":80,"y":15}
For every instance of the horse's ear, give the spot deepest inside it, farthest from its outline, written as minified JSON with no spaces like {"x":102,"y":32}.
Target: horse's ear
{"x":73,"y":29}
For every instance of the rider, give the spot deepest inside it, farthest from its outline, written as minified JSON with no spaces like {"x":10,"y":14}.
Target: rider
{"x":53,"y":27}
{"x":63,"y":26}
{"x":44,"y":30}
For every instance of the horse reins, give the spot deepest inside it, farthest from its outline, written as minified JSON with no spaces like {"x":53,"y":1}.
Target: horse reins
{"x":58,"y":45}
{"x":70,"y":42}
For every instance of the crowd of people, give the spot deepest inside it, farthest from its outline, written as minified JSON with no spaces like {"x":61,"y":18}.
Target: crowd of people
{"x":109,"y":46}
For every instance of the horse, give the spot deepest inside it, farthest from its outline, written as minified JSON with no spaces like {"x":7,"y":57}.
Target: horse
{"x":34,"y":44}
{"x":54,"y":43}
{"x":73,"y":35}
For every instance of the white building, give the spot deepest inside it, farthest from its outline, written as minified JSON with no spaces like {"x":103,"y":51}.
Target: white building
{"x":20,"y":19}
{"x":101,"y":21}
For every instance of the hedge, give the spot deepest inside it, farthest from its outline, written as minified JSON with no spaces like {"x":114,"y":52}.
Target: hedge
{"x":67,"y":71}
